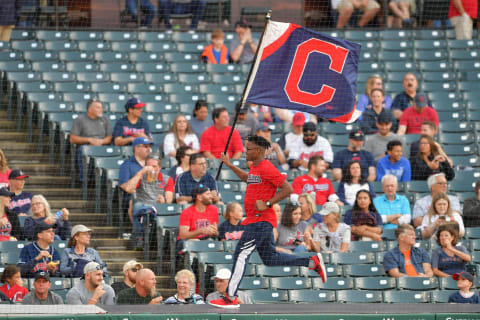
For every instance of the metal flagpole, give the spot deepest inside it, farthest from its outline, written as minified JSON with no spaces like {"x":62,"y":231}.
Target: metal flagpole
{"x":267,"y":20}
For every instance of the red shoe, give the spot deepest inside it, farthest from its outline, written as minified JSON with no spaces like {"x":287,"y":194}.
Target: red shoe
{"x":319,"y":266}
{"x":225,"y":303}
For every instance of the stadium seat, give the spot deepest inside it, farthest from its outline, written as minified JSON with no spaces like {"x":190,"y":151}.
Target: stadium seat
{"x":160,"y":78}
{"x":375,"y":283}
{"x":276,"y":271}
{"x":435,"y":66}
{"x":397,"y":296}
{"x":432,"y":44}
{"x":393,"y":87}
{"x":333,"y":270}
{"x":12,"y":246}
{"x":70,"y":56}
{"x":334,"y":283}
{"x":127,"y":46}
{"x":366,"y":246}
{"x":117,"y":67}
{"x":311,"y":296}
{"x":92,"y":76}
{"x":37,"y":56}
{"x":414,"y":283}
{"x":194,"y":78}
{"x":430,"y":55}
{"x":456,"y":138}
{"x":352,"y":257}
{"x":94,"y":46}
{"x":357,"y":35}
{"x":466,"y":65}
{"x":86,"y":35}
{"x":396,"y":45}
{"x":465,"y":54}
{"x":127,"y":77}
{"x":442,"y":296}
{"x":110,"y":88}
{"x":227,"y":79}
{"x":400,"y":66}
{"x":120,"y":36}
{"x":61,"y":45}
{"x":290,"y":283}
{"x":359,"y":296}
{"x":395,"y":55}
{"x":472,"y":233}
{"x":254,"y":283}
{"x":28,"y":45}
{"x":364,"y":270}
{"x":73,"y":86}
{"x":148,"y":67}
{"x":429,"y":34}
{"x":19,"y":34}
{"x":191,"y":48}
{"x":189,"y":37}
{"x":9,"y":257}
{"x":161,"y":47}
{"x":268,"y":296}
{"x":396,"y":35}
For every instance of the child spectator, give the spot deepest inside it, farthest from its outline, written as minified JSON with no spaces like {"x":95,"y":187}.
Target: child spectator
{"x":464,"y":283}
{"x":4,"y":170}
{"x":21,"y":201}
{"x":231,"y":229}
{"x":217,"y":52}
{"x":13,"y":283}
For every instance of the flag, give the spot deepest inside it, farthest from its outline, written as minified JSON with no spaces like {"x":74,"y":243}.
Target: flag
{"x":300,"y":69}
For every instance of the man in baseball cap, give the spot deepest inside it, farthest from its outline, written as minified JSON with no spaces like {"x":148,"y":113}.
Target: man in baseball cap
{"x":42,"y":294}
{"x":132,"y":125}
{"x":221,"y":283}
{"x":290,"y":140}
{"x":130,"y":269}
{"x":242,"y":49}
{"x":464,"y":282}
{"x":413,"y":117}
{"x":92,"y":290}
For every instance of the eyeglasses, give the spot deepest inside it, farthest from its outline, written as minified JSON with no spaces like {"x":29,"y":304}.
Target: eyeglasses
{"x":442,"y":183}
{"x":135,"y":269}
{"x":309,"y":134}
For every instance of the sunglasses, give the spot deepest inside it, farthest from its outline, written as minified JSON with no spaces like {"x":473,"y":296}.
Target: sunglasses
{"x":309,"y":134}
{"x":135,"y":269}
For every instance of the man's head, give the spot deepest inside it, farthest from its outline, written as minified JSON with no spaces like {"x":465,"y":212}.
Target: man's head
{"x":200,"y":111}
{"x":309,"y":133}
{"x":242,"y":112}
{"x":464,"y":280}
{"x":355,"y":140}
{"x":154,"y":161}
{"x":146,"y":279}
{"x":394,"y":150}
{"x":198,"y":165}
{"x":182,"y":152}
{"x":16,"y":178}
{"x":389,"y":185}
{"x":44,"y":232}
{"x":410,"y":83}
{"x":297,"y":122}
{"x":142,"y":147}
{"x":130,"y":270}
{"x":42,"y":283}
{"x":405,"y":234}
{"x":428,"y":128}
{"x":477,"y":187}
{"x":93,"y":274}
{"x":316,"y":165}
{"x":420,"y":101}
{"x":241,"y":26}
{"x":220,"y":118}
{"x":437,"y":183}
{"x":218,"y":37}
{"x":134,"y":106}
{"x":94,"y":109}
{"x":221,"y":280}
{"x":264,"y":131}
{"x":202,"y":194}
{"x":384,"y":123}
{"x":256,"y":147}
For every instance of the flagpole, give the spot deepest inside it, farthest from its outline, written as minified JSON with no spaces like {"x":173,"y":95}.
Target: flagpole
{"x":242,"y":99}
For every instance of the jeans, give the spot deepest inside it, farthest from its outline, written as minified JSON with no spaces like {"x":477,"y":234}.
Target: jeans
{"x":146,"y":6}
{"x":195,"y":7}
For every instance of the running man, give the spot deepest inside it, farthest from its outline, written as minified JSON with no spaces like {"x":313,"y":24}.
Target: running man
{"x":262,"y":180}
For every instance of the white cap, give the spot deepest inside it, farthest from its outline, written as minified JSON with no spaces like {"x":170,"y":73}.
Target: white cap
{"x":79,"y":228}
{"x":92,"y":266}
{"x":329,"y":207}
{"x":130,"y":264}
{"x":222,"y":274}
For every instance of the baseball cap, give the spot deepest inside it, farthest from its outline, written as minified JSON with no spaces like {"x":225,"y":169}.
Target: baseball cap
{"x":131,"y":264}
{"x":385,"y":117}
{"x":264,"y":127}
{"x":42,"y":226}
{"x":222,"y":274}
{"x":199,"y":190}
{"x":356,"y":134}
{"x":79,"y":228}
{"x":421,"y":100}
{"x":329,"y":207}
{"x":141,"y":140}
{"x":134,"y":103}
{"x":243,"y":23}
{"x":92,"y":266}
{"x":6,"y":193}
{"x":42,"y":274}
{"x":298,"y":119}
{"x":463,"y":274}
{"x":17,"y":174}
{"x":309,"y":126}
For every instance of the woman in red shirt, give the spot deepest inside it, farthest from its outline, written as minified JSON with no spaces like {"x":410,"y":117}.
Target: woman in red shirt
{"x":13,"y":283}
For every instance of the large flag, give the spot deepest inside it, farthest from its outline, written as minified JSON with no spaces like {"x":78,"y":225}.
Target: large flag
{"x":300,"y":69}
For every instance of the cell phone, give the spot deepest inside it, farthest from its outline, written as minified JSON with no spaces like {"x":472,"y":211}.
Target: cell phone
{"x":442,"y":218}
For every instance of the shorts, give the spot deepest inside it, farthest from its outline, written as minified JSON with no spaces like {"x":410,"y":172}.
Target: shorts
{"x":463,"y":27}
{"x":347,"y":4}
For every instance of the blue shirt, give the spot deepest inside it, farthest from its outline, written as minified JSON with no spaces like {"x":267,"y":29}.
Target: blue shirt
{"x":348,"y":218}
{"x":400,"y":169}
{"x":343,"y":157}
{"x":186,"y":183}
{"x":365,"y":103}
{"x":458,"y":298}
{"x":227,"y":231}
{"x":124,"y":128}
{"x":21,"y":202}
{"x":27,"y":263}
{"x":385,"y":207}
{"x":128,"y":169}
{"x":395,"y":259}
{"x":446,"y":263}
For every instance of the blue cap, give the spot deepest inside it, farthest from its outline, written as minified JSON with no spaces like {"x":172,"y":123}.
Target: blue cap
{"x":141,"y":140}
{"x":134,"y":103}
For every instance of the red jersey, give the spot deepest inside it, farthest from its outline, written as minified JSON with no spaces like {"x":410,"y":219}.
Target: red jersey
{"x":413,"y":120}
{"x":322,"y":187}
{"x":194,"y":219}
{"x":214,"y":140}
{"x":14,"y":293}
{"x":262,"y":184}
{"x":470,"y":7}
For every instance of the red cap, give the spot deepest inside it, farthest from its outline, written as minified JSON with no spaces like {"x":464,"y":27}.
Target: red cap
{"x":298,"y":119}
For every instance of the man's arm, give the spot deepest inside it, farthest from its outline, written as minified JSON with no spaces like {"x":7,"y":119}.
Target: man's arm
{"x":427,"y":269}
{"x":402,"y":129}
{"x":184,"y":232}
{"x":394,"y":273}
{"x":459,"y":6}
{"x":131,"y":185}
{"x":285,"y":191}
{"x":121,"y":141}
{"x":372,"y":174}
{"x":239,"y":172}
{"x":208,"y":154}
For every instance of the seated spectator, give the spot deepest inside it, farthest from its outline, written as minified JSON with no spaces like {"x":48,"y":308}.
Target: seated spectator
{"x":365,"y":100}
{"x":471,"y":209}
{"x":413,"y":117}
{"x":310,"y":145}
{"x":40,"y":255}
{"x":332,"y":235}
{"x":10,"y":228}
{"x":429,"y":161}
{"x":261,"y":112}
{"x":42,"y":213}
{"x":183,"y":162}
{"x":290,"y":140}
{"x":405,"y":99}
{"x":313,"y":183}
{"x":274,"y":154}
{"x":144,"y":291}
{"x":42,"y":295}
{"x":448,"y":258}
{"x":168,"y":7}
{"x":440,"y":213}
{"x":92,"y":290}
{"x":196,"y":176}
{"x":401,"y":14}
{"x":246,"y":124}
{"x":292,"y":235}
{"x":370,"y":116}
{"x":243,"y":47}
{"x":365,"y":221}
{"x":200,"y":120}
{"x":222,"y":278}
{"x":345,"y":9}
{"x":130,"y":270}
{"x":461,"y":13}
{"x":352,"y":182}
{"x":148,"y":9}
{"x":185,"y":280}
{"x":216,"y":52}
{"x":309,"y":209}
{"x":180,"y":134}
{"x":286,"y":116}
{"x":394,"y":163}
{"x":376,"y":144}
{"x":4,"y":171}
{"x":13,"y":283}
{"x":21,"y":201}
{"x":464,"y":283}
{"x":394,"y":208}
{"x":214,"y":139}
{"x":78,"y":254}
{"x":132,"y":126}
{"x":231,"y":228}
{"x":428,"y":128}
{"x":354,"y":152}
{"x":9,"y":10}
{"x":406,"y":259}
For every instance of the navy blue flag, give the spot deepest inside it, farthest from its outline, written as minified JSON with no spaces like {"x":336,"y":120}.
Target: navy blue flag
{"x":300,"y":69}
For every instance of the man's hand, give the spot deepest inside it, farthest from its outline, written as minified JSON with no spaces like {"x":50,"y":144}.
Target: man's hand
{"x":50,"y":220}
{"x":260,"y":205}
{"x":98,"y":293}
{"x":140,"y":134}
{"x":156,"y":300}
{"x":42,"y":254}
{"x":160,"y":199}
{"x":65,"y":214}
{"x":225,"y":159}
{"x":95,"y":142}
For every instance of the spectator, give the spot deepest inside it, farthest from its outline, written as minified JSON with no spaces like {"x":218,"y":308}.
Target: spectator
{"x":354,"y":152}
{"x":440,"y":213}
{"x":291,"y":140}
{"x":364,"y":101}
{"x":471,"y":208}
{"x":144,"y":291}
{"x":448,"y":258}
{"x":8,"y":14}
{"x":370,"y":116}
{"x":464,"y":283}
{"x":275,"y":153}
{"x":332,"y":235}
{"x":293,"y":235}
{"x":311,"y":145}
{"x":376,"y":144}
{"x":78,"y":254}
{"x":352,"y":182}
{"x":40,"y":255}
{"x":146,"y":7}
{"x":130,"y":270}
{"x":13,"y":283}
{"x":309,"y":209}
{"x":261,"y":112}
{"x":429,"y":161}
{"x":365,"y":221}
{"x":180,"y":134}
{"x":286,"y":116}
{"x":394,"y":208}
{"x":242,"y":49}
{"x":428,"y":128}
{"x":9,"y":225}
{"x":437,"y":183}
{"x":168,"y":7}
{"x":92,"y":290}
{"x":42,"y":213}
{"x":345,"y":9}
{"x":246,"y":123}
{"x":185,"y":280}
{"x":401,"y":14}
{"x":278,"y":212}
{"x":183,"y":162}
{"x":313,"y":183}
{"x":200,"y":121}
{"x":222,"y":278}
{"x":216,"y":52}
{"x":132,"y":126}
{"x":214,"y":139}
{"x":21,"y":201}
{"x":406,"y":259}
{"x":461,"y":13}
{"x":394,"y":163}
{"x":4,"y":171}
{"x":231,"y":228}
{"x":196,"y":176}
{"x":42,"y":295}
{"x":413,"y":117}
{"x":405,"y":99}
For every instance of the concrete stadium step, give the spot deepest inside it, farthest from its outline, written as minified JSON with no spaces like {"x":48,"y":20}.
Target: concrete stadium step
{"x":104,"y":242}
{"x":89,"y":219}
{"x":35,"y":168}
{"x":12,"y":135}
{"x":106,"y":232}
{"x":56,"y":192}
{"x":70,"y":204}
{"x":112,"y":248}
{"x":13,"y":146}
{"x":42,"y":181}
{"x":21,"y":158}
{"x":7,"y":126}
{"x":120,"y":255}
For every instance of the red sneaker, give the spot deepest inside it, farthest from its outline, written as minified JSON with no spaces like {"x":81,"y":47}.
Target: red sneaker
{"x":319,"y":266}
{"x":225,"y":303}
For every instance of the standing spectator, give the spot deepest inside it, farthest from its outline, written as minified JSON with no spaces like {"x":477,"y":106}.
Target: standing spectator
{"x":214,"y":139}
{"x":352,"y":181}
{"x":448,"y":258}
{"x":222,"y":278}
{"x":9,"y":224}
{"x":185,"y":280}
{"x":354,"y":152}
{"x":21,"y":201}
{"x":168,"y":7}
{"x":461,"y":13}
{"x":216,"y":52}
{"x":365,"y":100}
{"x":13,"y":283}
{"x":130,"y":270}
{"x":4,"y":170}
{"x":42,"y":295}
{"x":332,"y":235}
{"x":345,"y":9}
{"x":405,"y":99}
{"x":144,"y":291}
{"x":471,"y":208}
{"x":231,"y":228}
{"x":91,"y":290}
{"x":132,"y":126}
{"x":365,"y":221}
{"x":292,"y":235}
{"x":180,"y":134}
{"x":413,"y":117}
{"x":394,"y":163}
{"x":275,"y":153}
{"x":242,"y":49}
{"x":401,"y":11}
{"x":464,"y":295}
{"x":309,"y":210}
{"x":42,"y":213}
{"x":200,"y":121}
{"x":147,"y":8}
{"x":394,"y":208}
{"x":376,"y":144}
{"x":370,"y":116}
{"x":246,"y":123}
{"x":429,"y":161}
{"x":291,"y":140}
{"x":8,"y":15}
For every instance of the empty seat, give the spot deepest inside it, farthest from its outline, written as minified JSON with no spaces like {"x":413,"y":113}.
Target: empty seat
{"x":414,"y":283}
{"x":61,"y":45}
{"x":120,"y":36}
{"x":364,"y":270}
{"x":359,"y":296}
{"x":430,"y":55}
{"x":290,"y":283}
{"x":432,"y":44}
{"x":86,"y":35}
{"x":277,"y":271}
{"x":400,"y":66}
{"x":311,"y":296}
{"x":352,"y":257}
{"x":334,"y":283}
{"x":396,"y":45}
{"x":375,"y":283}
{"x":441,"y":296}
{"x":82,"y":66}
{"x":397,"y":296}
{"x":268,"y":296}
{"x":70,"y":56}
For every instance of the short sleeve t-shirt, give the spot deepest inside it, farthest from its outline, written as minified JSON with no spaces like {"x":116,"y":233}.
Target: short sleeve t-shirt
{"x":98,"y":128}
{"x":288,"y":235}
{"x":409,"y":268}
{"x":413,"y":120}
{"x":215,"y":140}
{"x":343,"y":157}
{"x":332,"y":240}
{"x":124,"y":128}
{"x":227,"y":231}
{"x":322,"y":187}
{"x":194,"y":219}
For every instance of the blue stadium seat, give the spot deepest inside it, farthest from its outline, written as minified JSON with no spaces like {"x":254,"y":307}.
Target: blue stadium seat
{"x":375,"y":283}
{"x":359,"y":296}
{"x":311,"y":296}
{"x":290,"y":283}
{"x":404,"y":296}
